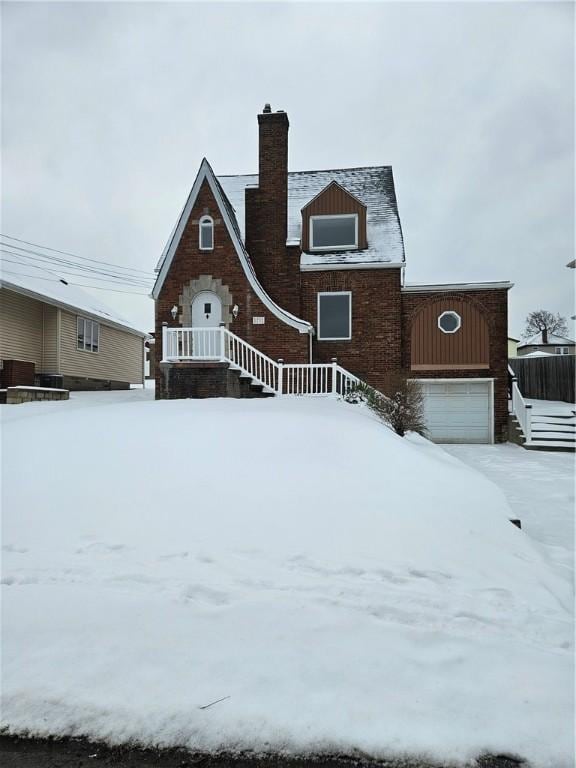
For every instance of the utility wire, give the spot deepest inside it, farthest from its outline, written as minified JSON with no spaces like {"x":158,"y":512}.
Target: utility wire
{"x":74,"y":255}
{"x":81,"y":272}
{"x":68,"y":262}
{"x":74,"y":274}
{"x":80,"y":285}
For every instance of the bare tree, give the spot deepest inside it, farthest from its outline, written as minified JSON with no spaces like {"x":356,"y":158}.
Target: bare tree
{"x":546,"y":323}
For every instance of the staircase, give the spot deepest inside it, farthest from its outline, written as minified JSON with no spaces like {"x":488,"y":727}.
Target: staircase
{"x":540,"y":425}
{"x":258,"y":374}
{"x":553,"y":428}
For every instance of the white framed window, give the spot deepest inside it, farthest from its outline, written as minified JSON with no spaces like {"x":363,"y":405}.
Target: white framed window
{"x":449,"y":321}
{"x":335,"y":316}
{"x":87,"y":335}
{"x":206,"y":233}
{"x":337,"y":232}
{"x":561,"y":350}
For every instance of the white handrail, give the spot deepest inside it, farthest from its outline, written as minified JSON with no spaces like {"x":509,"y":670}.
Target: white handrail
{"x":520,"y":408}
{"x":203,"y":344}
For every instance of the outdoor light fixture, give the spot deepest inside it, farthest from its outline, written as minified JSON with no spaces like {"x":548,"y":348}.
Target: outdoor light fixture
{"x":174,"y":312}
{"x":235,"y":311}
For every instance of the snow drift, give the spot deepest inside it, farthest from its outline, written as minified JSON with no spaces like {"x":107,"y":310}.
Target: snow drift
{"x":338,"y":588}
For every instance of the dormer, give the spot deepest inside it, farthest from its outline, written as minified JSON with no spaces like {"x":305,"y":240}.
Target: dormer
{"x":334,"y":220}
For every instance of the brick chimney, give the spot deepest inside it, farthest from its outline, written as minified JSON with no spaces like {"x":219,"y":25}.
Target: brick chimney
{"x":267,"y":213}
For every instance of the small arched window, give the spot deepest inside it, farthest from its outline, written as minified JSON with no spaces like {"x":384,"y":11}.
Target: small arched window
{"x":206,"y":233}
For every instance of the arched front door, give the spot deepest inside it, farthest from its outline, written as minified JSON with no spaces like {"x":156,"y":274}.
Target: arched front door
{"x":206,"y":314}
{"x":206,"y":310}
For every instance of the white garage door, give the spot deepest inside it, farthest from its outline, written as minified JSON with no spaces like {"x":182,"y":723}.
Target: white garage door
{"x":458,"y":411}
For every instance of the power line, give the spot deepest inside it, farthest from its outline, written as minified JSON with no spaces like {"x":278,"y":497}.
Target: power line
{"x":80,"y":285}
{"x":68,"y":262}
{"x":74,"y":274}
{"x":82,"y":271}
{"x":74,"y":255}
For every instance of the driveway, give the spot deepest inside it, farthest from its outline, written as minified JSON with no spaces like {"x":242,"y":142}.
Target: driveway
{"x":539,"y":486}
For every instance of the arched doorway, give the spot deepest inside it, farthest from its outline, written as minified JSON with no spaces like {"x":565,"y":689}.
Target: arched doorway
{"x":206,"y":310}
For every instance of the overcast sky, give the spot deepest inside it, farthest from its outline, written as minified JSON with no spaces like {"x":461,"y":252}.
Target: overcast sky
{"x":108,"y":109}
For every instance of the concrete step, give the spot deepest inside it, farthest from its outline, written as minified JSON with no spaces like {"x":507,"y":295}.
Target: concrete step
{"x":569,"y":437}
{"x":552,"y":445}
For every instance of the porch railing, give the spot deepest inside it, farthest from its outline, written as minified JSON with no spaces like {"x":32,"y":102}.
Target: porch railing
{"x":220,"y":344}
{"x":520,"y":408}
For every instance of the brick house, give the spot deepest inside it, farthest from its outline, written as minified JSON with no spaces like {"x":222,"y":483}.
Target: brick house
{"x":293,"y":282}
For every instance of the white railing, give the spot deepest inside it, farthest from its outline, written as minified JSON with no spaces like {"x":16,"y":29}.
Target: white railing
{"x":520,"y":408}
{"x":192,"y":343}
{"x":250,"y":360}
{"x":198,"y":344}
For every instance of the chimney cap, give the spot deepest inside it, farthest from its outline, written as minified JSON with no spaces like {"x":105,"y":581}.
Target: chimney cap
{"x":267,"y":109}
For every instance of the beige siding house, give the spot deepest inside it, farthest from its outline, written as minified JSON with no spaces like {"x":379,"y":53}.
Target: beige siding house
{"x":55,"y":334}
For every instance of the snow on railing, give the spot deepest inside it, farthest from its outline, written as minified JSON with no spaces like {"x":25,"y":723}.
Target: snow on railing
{"x":197,"y":344}
{"x":520,"y":408}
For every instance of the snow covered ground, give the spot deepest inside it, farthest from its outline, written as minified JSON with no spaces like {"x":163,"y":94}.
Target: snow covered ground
{"x":334,"y":586}
{"x":539,"y":487}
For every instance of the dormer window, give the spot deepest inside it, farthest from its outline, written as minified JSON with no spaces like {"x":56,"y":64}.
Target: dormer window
{"x":206,"y":233}
{"x":334,"y":233}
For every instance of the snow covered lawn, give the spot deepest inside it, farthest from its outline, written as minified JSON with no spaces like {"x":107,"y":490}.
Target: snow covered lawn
{"x":336,"y":587}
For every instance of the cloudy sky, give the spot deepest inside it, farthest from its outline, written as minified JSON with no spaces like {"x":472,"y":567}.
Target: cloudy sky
{"x":108,"y":109}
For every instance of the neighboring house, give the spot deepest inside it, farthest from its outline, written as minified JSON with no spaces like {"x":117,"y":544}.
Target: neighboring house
{"x":309,"y":266}
{"x":549,"y":343}
{"x":512,"y":346}
{"x":55,"y":334}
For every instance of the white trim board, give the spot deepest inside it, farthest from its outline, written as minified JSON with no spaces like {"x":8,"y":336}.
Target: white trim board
{"x":206,"y":173}
{"x":351,"y":265}
{"x":456,"y":287}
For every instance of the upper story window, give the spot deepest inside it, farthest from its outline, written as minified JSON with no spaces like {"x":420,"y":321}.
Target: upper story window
{"x":206,"y":233}
{"x":561,"y":350}
{"x":335,"y":316}
{"x":337,"y":232}
{"x":87,"y":334}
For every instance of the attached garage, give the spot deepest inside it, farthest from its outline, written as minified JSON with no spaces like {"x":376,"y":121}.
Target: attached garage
{"x":459,"y":410}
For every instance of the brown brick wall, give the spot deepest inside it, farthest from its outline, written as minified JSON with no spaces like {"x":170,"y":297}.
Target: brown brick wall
{"x":16,"y":373}
{"x":277,"y":267}
{"x":494,"y":306}
{"x":274,"y":338}
{"x":202,"y":380}
{"x":374,"y":349}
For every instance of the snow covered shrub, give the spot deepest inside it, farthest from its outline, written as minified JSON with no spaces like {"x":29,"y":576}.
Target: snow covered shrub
{"x":402,"y":409}
{"x":359,"y":393}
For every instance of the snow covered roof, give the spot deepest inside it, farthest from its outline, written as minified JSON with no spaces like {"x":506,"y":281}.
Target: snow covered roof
{"x":539,"y":353}
{"x":372,"y":186}
{"x":205,"y":173}
{"x":553,"y":340}
{"x":47,"y":286}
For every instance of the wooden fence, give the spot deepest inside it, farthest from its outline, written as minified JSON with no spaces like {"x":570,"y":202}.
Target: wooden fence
{"x":545,"y":378}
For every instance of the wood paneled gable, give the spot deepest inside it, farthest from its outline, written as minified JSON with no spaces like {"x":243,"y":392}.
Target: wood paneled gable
{"x":334,"y":200}
{"x":468,"y":348}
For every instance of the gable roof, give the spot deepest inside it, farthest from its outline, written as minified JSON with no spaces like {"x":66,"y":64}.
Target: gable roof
{"x":373,"y":186}
{"x":553,"y":340}
{"x":47,"y":286}
{"x":206,"y":174}
{"x":327,"y":187}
